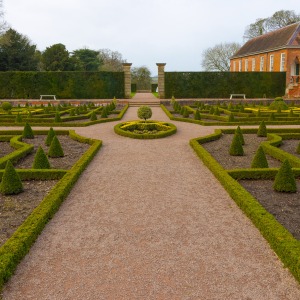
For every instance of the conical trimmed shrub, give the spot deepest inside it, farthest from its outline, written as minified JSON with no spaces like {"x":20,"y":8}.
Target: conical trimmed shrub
{"x":41,"y":160}
{"x":285,"y":180}
{"x":298,"y":148}
{"x":260,"y":160}
{"x":291,"y":114}
{"x":55,"y":149}
{"x":185,"y":113}
{"x":262,"y":130}
{"x":11,"y":182}
{"x":238,"y":131}
{"x":236,"y":148}
{"x":217,"y":112}
{"x":57,"y":118}
{"x":93,"y":116}
{"x":212,"y":110}
{"x":272,"y":117}
{"x":50,"y":136}
{"x":197,"y":115}
{"x":27,"y":132}
{"x":18,"y":118}
{"x":231,"y":117}
{"x":104,"y":113}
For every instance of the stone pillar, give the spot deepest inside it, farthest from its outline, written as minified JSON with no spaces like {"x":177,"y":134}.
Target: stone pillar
{"x":161,"y":80}
{"x":127,"y":79}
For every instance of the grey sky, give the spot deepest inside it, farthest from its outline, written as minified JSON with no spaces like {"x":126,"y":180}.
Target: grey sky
{"x":144,"y":32}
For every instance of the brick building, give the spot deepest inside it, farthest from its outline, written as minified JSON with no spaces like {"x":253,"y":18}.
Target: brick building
{"x":276,"y":51}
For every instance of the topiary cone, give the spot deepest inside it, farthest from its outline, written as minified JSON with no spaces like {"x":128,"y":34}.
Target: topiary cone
{"x":285,"y":180}
{"x":238,"y":131}
{"x":41,"y":160}
{"x":93,"y":116}
{"x":27,"y":132}
{"x":197,"y":115}
{"x":262,"y":130}
{"x":19,"y":118}
{"x":55,"y":149}
{"x":104,"y":113}
{"x":11,"y":182}
{"x":236,"y":148}
{"x":260,"y":160}
{"x":231,"y":117}
{"x":50,"y":136}
{"x":57,"y":118}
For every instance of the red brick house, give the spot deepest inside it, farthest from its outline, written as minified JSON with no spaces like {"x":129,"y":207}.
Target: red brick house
{"x":276,"y":51}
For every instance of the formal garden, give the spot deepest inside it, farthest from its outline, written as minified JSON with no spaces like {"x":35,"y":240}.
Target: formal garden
{"x":259,"y":167}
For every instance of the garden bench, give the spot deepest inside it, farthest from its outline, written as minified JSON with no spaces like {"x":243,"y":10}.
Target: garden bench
{"x":41,"y":96}
{"x":237,"y":95}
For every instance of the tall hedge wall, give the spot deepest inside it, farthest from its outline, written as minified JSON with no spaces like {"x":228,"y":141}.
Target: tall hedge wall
{"x":65,"y":85}
{"x":222,"y":84}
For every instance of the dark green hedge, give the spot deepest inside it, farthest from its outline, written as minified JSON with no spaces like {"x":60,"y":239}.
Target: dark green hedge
{"x":222,"y":84}
{"x":65,"y":85}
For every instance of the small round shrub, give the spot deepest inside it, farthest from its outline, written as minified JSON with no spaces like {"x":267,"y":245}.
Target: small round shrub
{"x":55,"y":149}
{"x":6,"y":106}
{"x":285,"y":180}
{"x":262,"y":130}
{"x":27,"y":132}
{"x":41,"y":160}
{"x":144,"y":112}
{"x":50,"y":136}
{"x":260,"y":160}
{"x":236,"y":147}
{"x":11,"y":182}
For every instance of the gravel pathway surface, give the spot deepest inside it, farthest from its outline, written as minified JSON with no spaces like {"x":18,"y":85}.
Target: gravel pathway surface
{"x":147,"y":220}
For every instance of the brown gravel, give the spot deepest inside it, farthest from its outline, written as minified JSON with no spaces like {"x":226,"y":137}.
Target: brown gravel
{"x":147,"y":220}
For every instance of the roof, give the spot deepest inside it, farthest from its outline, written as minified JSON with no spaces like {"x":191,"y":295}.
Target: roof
{"x":288,"y":36}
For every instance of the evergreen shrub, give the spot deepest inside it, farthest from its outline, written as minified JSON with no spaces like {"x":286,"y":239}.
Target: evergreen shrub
{"x":285,"y":180}
{"x":27,"y":132}
{"x":236,"y":147}
{"x":41,"y":160}
{"x":11,"y":182}
{"x":262,"y":130}
{"x":259,"y":160}
{"x":55,"y":149}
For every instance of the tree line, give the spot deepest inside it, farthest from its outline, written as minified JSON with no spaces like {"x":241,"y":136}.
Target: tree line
{"x":217,"y":58}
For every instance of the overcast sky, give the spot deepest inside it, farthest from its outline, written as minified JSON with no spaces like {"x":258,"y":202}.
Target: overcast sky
{"x":175,"y":32}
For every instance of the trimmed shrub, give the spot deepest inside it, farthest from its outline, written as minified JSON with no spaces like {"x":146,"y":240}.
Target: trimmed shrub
{"x":231,"y":117}
{"x":285,"y":180}
{"x":57,"y":118}
{"x":279,"y":110}
{"x":93,"y":116}
{"x":197,"y":115}
{"x":55,"y":149}
{"x":212,"y":110}
{"x":144,"y":112}
{"x":18,"y":118}
{"x":260,"y":160}
{"x":11,"y":182}
{"x":217,"y":112}
{"x":27,"y":132}
{"x":104,"y":113}
{"x":50,"y":136}
{"x":41,"y":160}
{"x":272,"y":117}
{"x":236,"y":148}
{"x":278,"y":103}
{"x":291,"y":113}
{"x":238,"y":131}
{"x":6,"y":106}
{"x":262,"y":130}
{"x":185,"y":113}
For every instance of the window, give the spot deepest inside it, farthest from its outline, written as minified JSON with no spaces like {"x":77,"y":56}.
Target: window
{"x":234,"y":66}
{"x":271,"y":67}
{"x":253,"y":64}
{"x":282,"y":62}
{"x":246,"y":65}
{"x":262,"y":62}
{"x":240,"y":65}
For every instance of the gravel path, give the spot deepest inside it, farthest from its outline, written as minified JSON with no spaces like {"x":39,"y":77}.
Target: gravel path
{"x":147,"y":220}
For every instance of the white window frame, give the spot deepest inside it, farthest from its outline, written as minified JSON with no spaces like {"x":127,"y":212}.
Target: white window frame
{"x":262,"y":63}
{"x":282,"y":62}
{"x":246,"y":65}
{"x":253,"y":64}
{"x":240,"y":65}
{"x":271,"y":66}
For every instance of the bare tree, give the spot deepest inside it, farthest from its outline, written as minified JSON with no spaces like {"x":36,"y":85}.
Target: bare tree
{"x":217,"y":58}
{"x":3,"y":24}
{"x":110,"y":60}
{"x":278,"y":20}
{"x":142,"y":77}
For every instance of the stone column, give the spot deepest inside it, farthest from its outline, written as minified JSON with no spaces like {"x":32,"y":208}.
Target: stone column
{"x":127,"y":79}
{"x":161,"y":80}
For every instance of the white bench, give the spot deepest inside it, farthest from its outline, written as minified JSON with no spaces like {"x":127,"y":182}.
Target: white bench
{"x":237,"y":95}
{"x":41,"y":96}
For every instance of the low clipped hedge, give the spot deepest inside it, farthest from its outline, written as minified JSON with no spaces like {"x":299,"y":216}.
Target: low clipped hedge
{"x":279,"y":238}
{"x":164,"y":129}
{"x":18,"y":245}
